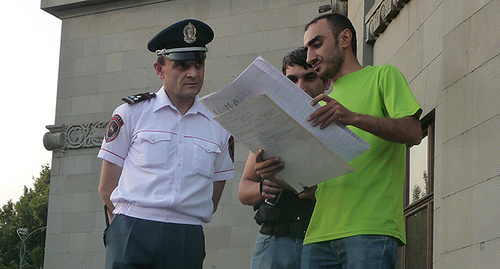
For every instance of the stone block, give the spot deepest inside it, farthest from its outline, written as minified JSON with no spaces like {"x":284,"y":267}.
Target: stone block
{"x":81,"y":202}
{"x":78,"y":222}
{"x":486,"y":101}
{"x":114,"y":62}
{"x":455,"y":13}
{"x":86,"y":242}
{"x":72,"y":49}
{"x":125,"y":41}
{"x":225,"y":26}
{"x":218,"y":48}
{"x":75,"y":86}
{"x":432,"y":36}
{"x":221,"y":8}
{"x":117,"y":81}
{"x":459,"y":163}
{"x":485,"y":210}
{"x":251,"y":22}
{"x":416,"y":42}
{"x":456,"y":51}
{"x":248,"y":43}
{"x":457,"y":211}
{"x":55,"y":220}
{"x":66,"y":69}
{"x":279,"y":18}
{"x":218,"y":68}
{"x":91,"y":46}
{"x":484,"y":40}
{"x":57,"y":243}
{"x":51,"y":260}
{"x":244,"y":236}
{"x":487,"y":161}
{"x":429,"y":7}
{"x":84,"y":26}
{"x":60,"y":203}
{"x":90,"y":66}
{"x":487,"y":253}
{"x":237,"y":215}
{"x":134,"y":19}
{"x":217,"y":237}
{"x":77,"y":261}
{"x":228,"y":258}
{"x":278,"y":39}
{"x":460,"y":258}
{"x":433,"y":84}
{"x":417,"y":86}
{"x":457,"y":107}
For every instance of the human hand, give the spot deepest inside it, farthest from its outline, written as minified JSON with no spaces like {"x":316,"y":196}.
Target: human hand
{"x":270,"y":190}
{"x":308,"y":193}
{"x":330,"y":112}
{"x":268,"y":168}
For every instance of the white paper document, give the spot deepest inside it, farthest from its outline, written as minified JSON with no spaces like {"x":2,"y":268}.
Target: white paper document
{"x":264,"y":109}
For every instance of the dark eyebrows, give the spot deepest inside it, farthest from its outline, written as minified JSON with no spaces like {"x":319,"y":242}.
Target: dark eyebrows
{"x":313,"y":73}
{"x":313,"y":40}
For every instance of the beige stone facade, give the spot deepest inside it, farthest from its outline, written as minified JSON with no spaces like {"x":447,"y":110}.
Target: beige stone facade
{"x":448,"y":51}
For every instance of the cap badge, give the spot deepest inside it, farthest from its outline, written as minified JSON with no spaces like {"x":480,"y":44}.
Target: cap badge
{"x":189,"y":33}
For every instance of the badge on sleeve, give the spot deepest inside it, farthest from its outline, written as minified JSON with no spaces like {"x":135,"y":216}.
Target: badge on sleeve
{"x":231,"y":148}
{"x":114,"y":127}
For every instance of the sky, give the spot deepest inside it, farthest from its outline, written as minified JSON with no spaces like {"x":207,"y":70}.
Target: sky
{"x":29,"y":57}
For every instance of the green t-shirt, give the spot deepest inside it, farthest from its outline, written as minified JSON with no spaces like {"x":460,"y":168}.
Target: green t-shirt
{"x":370,"y":199}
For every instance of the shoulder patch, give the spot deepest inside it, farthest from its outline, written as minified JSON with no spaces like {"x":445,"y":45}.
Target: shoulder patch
{"x":114,"y":127}
{"x":136,"y":98}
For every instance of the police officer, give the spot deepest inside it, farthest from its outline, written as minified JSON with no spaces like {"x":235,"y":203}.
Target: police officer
{"x":165,"y":160}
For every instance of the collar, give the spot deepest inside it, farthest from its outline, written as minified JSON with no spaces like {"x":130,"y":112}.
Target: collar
{"x":162,"y":101}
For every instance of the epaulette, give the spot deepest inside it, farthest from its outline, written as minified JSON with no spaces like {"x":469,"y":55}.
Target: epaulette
{"x":136,"y":98}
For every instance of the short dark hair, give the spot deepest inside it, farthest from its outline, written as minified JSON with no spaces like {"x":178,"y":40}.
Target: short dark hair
{"x":160,"y":59}
{"x":295,"y":57}
{"x":338,"y":23}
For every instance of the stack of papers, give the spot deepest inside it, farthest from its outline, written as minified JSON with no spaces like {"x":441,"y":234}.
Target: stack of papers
{"x":263,"y":109}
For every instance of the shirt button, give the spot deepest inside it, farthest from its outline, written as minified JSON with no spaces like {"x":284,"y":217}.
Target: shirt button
{"x":177,"y":189}
{"x":153,"y":139}
{"x":179,"y":164}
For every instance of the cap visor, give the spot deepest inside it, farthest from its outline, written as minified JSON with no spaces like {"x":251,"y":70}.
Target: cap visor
{"x":186,"y":56}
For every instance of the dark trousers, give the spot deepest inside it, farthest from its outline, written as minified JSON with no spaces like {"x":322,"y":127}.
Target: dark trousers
{"x":137,"y":243}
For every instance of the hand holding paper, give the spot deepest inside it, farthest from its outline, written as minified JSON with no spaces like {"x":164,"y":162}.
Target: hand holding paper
{"x":263,"y":109}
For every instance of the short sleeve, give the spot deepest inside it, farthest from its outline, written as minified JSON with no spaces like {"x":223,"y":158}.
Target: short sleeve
{"x":398,"y":98}
{"x":224,"y":163}
{"x":117,"y":137}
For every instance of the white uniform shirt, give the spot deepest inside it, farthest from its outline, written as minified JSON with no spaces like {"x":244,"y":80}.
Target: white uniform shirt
{"x":169,"y":161}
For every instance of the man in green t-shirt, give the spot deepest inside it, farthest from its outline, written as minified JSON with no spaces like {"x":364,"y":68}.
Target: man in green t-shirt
{"x":358,"y":219}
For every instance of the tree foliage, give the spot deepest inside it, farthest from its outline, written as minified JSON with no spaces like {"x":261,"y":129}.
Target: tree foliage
{"x":29,"y":212}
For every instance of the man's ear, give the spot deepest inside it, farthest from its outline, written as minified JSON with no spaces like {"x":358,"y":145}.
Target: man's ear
{"x":345,"y":38}
{"x":327,"y":83}
{"x":159,"y":69}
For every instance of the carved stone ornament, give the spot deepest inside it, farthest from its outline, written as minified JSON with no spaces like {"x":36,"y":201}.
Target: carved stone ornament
{"x":380,"y":16}
{"x":62,"y":137}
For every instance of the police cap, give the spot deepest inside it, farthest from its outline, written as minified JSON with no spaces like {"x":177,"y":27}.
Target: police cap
{"x":183,"y":41}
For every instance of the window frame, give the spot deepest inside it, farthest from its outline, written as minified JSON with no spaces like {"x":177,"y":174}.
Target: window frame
{"x":427,"y":201}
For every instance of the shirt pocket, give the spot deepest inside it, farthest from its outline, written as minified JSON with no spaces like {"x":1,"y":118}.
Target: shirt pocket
{"x":153,"y":149}
{"x":204,"y":156}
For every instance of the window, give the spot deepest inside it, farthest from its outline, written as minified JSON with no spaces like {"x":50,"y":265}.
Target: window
{"x":419,"y":197}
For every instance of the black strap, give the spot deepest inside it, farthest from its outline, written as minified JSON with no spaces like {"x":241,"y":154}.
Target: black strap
{"x":106,"y":217}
